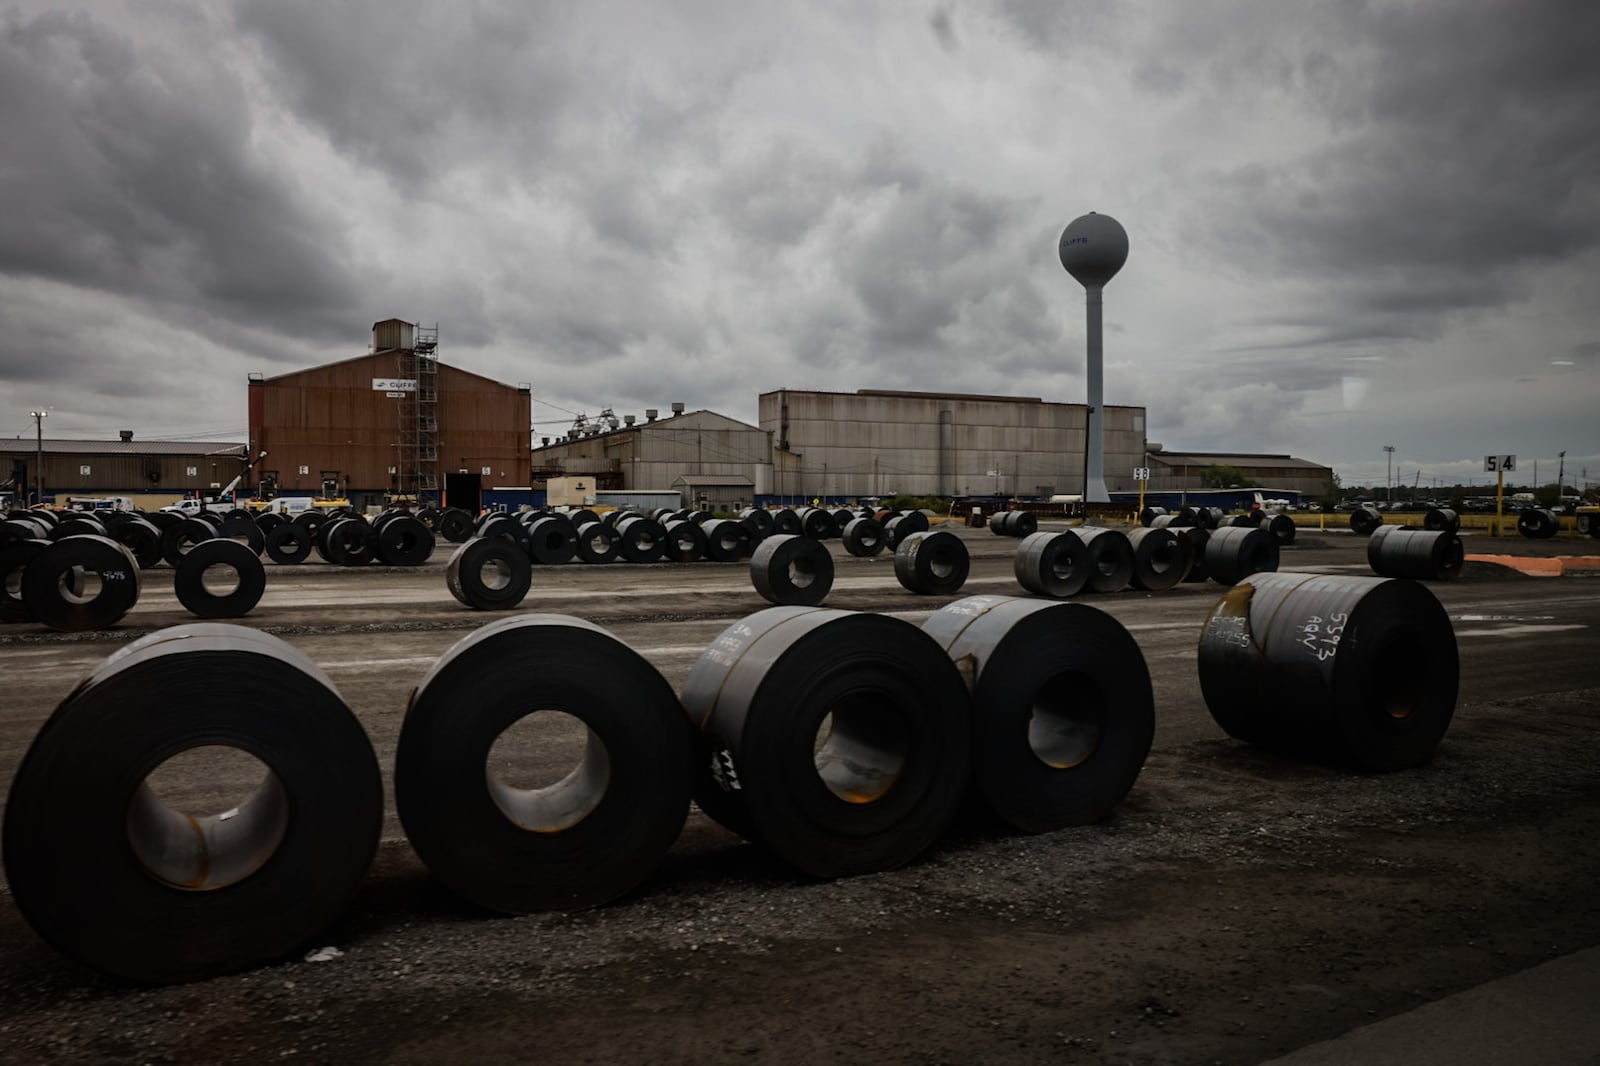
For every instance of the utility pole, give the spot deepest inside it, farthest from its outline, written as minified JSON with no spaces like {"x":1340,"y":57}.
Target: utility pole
{"x":38,"y":436}
{"x":1389,"y":478}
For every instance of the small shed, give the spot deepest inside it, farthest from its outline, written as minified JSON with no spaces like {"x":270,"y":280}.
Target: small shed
{"x":716,"y":492}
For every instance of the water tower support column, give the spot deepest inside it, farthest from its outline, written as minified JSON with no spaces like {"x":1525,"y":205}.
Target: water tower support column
{"x":1094,"y":482}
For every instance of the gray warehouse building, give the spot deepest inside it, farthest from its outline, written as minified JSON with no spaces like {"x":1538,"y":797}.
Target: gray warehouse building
{"x":700,"y":454}
{"x":876,"y":442}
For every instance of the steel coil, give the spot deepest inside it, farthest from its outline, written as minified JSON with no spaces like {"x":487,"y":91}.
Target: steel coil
{"x":1281,"y":526}
{"x":489,"y":574}
{"x":1415,"y":553}
{"x":786,"y":521}
{"x":1537,"y":523}
{"x":236,"y":577}
{"x":817,"y":523}
{"x":1148,"y":515}
{"x":403,"y":541}
{"x":758,"y":520}
{"x":685,"y":541}
{"x":1198,"y":538}
{"x":349,"y":542}
{"x":1441,"y":520}
{"x":1063,"y":710}
{"x":1161,"y":558}
{"x":1356,"y":670}
{"x":181,"y":536}
{"x":1235,"y":552}
{"x":839,"y":741}
{"x":289,"y":544}
{"x":1363,"y":520}
{"x":552,"y":540}
{"x":1052,"y":564}
{"x":727,"y":540}
{"x":589,"y":836}
{"x":81,"y":583}
{"x":1109,"y":556}
{"x":1208,"y":518}
{"x":243,"y":531}
{"x":932,"y":563}
{"x":787,"y":568}
{"x":14,"y":559}
{"x":141,"y":538}
{"x":109,"y":874}
{"x":596,"y":543}
{"x":455,"y":525}
{"x":641,"y":540}
{"x":864,"y":538}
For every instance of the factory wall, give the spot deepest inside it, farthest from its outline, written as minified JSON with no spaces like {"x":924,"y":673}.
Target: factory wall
{"x":878,"y":443}
{"x":655,"y":455}
{"x":154,"y":472}
{"x":333,"y":417}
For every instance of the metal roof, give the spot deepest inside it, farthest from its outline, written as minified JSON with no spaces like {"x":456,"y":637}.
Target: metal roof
{"x":732,"y":480}
{"x":1240,"y":459}
{"x":126,"y":447}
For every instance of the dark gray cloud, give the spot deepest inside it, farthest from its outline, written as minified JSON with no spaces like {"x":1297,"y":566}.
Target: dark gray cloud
{"x":132,"y":172}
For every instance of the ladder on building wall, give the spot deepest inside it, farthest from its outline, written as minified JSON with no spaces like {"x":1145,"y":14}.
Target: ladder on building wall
{"x":418,"y":473}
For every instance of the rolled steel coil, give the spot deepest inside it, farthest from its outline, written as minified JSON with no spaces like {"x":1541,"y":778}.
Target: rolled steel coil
{"x":455,"y":525}
{"x":1063,"y":709}
{"x":14,"y":559}
{"x":1537,"y":523}
{"x":289,"y":544}
{"x":182,"y":536}
{"x":596,"y":543}
{"x":843,"y":516}
{"x":727,"y":540}
{"x":311,"y":521}
{"x":1235,"y":552}
{"x":1280,"y":526}
{"x":661,"y":514}
{"x":1355,"y":670}
{"x":1161,"y":558}
{"x":552,"y":540}
{"x":863,"y":537}
{"x":1415,"y":553}
{"x":210,"y":518}
{"x":1208,"y":518}
{"x":109,"y":874}
{"x":758,"y":520}
{"x":349,"y":542}
{"x":685,"y":541}
{"x":1014,"y":524}
{"x":403,"y":541}
{"x":77,"y":525}
{"x":81,"y":583}
{"x":243,"y":531}
{"x":1149,"y":514}
{"x":839,"y":741}
{"x":1441,"y":520}
{"x":242,"y":579}
{"x":1109,"y":555}
{"x":429,"y":516}
{"x":141,"y":538}
{"x":1248,"y":520}
{"x":42,"y":515}
{"x":699,"y":517}
{"x":1198,"y":538}
{"x":641,"y":540}
{"x":787,"y":522}
{"x":582,"y":517}
{"x":817,"y":523}
{"x":1363,"y":520}
{"x":489,"y":574}
{"x":932,"y":563}
{"x":593,"y":835}
{"x":269,"y":521}
{"x":789,"y":569}
{"x":1052,"y":564}
{"x":1183,"y":516}
{"x":612,"y":518}
{"x":502,"y":525}
{"x":23,"y":528}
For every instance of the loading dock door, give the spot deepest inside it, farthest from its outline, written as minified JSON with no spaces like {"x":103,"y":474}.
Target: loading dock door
{"x":464,"y":491}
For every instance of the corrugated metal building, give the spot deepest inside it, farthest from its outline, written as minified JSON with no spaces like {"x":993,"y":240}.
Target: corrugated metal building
{"x":395,"y":420}
{"x":153,"y":472}
{"x":876,"y":442}
{"x":700,"y":453}
{"x":1174,"y":471}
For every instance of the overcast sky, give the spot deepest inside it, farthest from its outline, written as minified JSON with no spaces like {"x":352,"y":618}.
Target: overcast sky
{"x":1351,"y":224}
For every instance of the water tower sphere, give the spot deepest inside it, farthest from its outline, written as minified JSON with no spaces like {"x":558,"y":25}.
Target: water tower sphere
{"x":1093,"y":248}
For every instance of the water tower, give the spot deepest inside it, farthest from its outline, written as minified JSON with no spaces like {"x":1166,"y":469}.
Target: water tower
{"x":1093,"y":249}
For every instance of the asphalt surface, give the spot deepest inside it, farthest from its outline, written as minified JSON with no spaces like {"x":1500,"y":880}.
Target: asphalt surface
{"x":424,"y":978}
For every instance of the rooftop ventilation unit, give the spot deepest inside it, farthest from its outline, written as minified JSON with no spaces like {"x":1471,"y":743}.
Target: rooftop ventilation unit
{"x":650,"y":414}
{"x":677,"y":408}
{"x":629,"y":420}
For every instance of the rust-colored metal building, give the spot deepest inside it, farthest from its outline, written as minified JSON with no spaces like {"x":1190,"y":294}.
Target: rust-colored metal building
{"x":393,"y":421}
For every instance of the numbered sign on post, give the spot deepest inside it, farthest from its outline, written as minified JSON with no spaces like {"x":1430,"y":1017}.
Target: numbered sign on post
{"x":1494,"y":464}
{"x":1141,"y":473}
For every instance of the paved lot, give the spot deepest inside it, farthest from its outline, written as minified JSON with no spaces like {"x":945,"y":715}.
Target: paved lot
{"x":1238,"y":906}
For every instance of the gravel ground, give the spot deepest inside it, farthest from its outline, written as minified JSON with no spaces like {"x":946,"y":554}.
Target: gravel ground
{"x":1236,"y":906}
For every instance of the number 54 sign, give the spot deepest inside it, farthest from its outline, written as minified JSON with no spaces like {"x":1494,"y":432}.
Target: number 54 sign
{"x":1499,"y":463}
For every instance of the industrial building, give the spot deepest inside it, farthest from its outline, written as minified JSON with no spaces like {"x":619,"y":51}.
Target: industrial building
{"x":707,"y":458}
{"x":876,"y":442}
{"x":1182,"y":471}
{"x":150,"y":472}
{"x":393,"y":422}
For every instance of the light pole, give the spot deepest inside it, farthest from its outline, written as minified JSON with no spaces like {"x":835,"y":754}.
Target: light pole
{"x":38,"y":438}
{"x":1389,"y":451}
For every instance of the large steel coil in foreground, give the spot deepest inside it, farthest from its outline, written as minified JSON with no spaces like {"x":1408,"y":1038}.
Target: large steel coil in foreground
{"x":589,"y":835}
{"x":1357,"y":670}
{"x":81,"y":583}
{"x":1415,"y":553}
{"x":840,"y":741}
{"x":787,"y":568}
{"x":1161,"y":558}
{"x":1233,"y":553}
{"x":107,"y":872}
{"x":1441,"y":520}
{"x":1363,"y":520}
{"x":1537,"y":523}
{"x":1052,"y":564}
{"x":1110,"y":557}
{"x":489,"y":574}
{"x":1063,"y":712}
{"x":932,"y":563}
{"x":220,"y":579}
